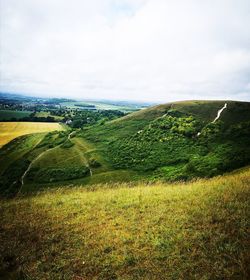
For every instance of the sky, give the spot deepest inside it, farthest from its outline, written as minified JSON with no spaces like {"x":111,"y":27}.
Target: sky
{"x":148,"y":50}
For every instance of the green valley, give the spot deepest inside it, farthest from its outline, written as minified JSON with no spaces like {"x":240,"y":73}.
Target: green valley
{"x":176,"y":141}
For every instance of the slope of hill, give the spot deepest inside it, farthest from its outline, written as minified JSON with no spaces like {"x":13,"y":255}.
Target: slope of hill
{"x":178,"y":140}
{"x":203,"y":110}
{"x":192,"y":230}
{"x":175,"y":141}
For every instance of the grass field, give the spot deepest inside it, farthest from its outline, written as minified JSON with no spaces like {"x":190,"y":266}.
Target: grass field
{"x":159,"y":231}
{"x":44,"y":114}
{"x":11,"y":130}
{"x":9,"y":114}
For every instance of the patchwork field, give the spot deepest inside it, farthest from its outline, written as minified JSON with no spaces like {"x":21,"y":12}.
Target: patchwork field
{"x":101,"y":106}
{"x":11,"y":130}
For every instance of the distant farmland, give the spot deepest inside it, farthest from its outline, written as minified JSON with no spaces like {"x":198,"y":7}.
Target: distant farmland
{"x":11,"y":130}
{"x":6,"y":115}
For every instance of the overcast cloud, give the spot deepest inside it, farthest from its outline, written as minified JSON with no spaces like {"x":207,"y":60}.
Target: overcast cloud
{"x":155,"y":50}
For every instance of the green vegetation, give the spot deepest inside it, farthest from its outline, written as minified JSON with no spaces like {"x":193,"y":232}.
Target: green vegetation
{"x":168,"y":142}
{"x":177,"y":141}
{"x":88,"y":118}
{"x":92,"y":201}
{"x":50,"y":158}
{"x":48,"y":175}
{"x":10,"y":115}
{"x":214,"y":151}
{"x":159,"y":231}
{"x":50,"y":114}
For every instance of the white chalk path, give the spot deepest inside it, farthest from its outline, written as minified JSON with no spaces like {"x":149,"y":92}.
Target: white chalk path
{"x":219,"y":113}
{"x":217,"y":117}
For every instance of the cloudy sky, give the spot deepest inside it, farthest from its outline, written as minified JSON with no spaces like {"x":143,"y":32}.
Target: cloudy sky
{"x":153,"y":50}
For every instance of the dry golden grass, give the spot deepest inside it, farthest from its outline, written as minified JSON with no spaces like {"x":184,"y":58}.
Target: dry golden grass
{"x":196,"y":230}
{"x":11,"y":130}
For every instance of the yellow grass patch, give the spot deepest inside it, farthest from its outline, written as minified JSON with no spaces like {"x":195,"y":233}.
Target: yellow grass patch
{"x":11,"y":130}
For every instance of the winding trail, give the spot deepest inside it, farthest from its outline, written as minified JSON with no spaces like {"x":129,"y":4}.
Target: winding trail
{"x":40,"y":155}
{"x":36,"y":159}
{"x":30,"y":165}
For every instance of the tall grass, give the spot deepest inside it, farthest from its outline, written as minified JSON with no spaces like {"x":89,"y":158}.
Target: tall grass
{"x":160,"y":231}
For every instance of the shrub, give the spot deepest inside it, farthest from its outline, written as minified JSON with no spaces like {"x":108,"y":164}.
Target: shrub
{"x":67,"y":144}
{"x":94,"y":163}
{"x":45,"y":175}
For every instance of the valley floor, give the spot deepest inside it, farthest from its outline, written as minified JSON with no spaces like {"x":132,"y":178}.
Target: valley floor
{"x":195,"y":230}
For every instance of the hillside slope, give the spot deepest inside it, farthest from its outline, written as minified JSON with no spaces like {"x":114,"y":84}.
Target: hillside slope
{"x":160,"y":231}
{"x":179,"y":140}
{"x":175,"y":141}
{"x":203,"y":110}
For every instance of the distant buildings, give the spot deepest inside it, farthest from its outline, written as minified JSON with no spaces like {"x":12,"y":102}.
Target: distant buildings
{"x":68,"y":122}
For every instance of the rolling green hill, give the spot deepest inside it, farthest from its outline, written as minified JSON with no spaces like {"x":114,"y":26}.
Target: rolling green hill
{"x":202,"y":110}
{"x":175,"y":141}
{"x":178,"y":140}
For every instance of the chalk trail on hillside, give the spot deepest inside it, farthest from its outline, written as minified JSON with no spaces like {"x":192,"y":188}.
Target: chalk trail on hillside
{"x":30,"y":165}
{"x":217,"y":117}
{"x":219,"y":113}
{"x":39,"y":156}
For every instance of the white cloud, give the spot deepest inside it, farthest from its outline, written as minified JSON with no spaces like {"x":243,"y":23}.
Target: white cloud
{"x":128,"y":49}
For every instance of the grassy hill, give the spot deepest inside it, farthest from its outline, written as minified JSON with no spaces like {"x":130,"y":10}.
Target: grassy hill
{"x":122,"y":200}
{"x":178,"y":140}
{"x":203,"y":110}
{"x":175,"y":141}
{"x":195,"y":230}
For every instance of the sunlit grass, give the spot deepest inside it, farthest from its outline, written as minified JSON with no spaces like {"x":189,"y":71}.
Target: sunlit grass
{"x":12,"y":130}
{"x":161,"y":231}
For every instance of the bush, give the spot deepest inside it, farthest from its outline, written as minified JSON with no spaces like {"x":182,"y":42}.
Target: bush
{"x":94,"y":163}
{"x":46,"y":175}
{"x":11,"y":178}
{"x":67,"y":144}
